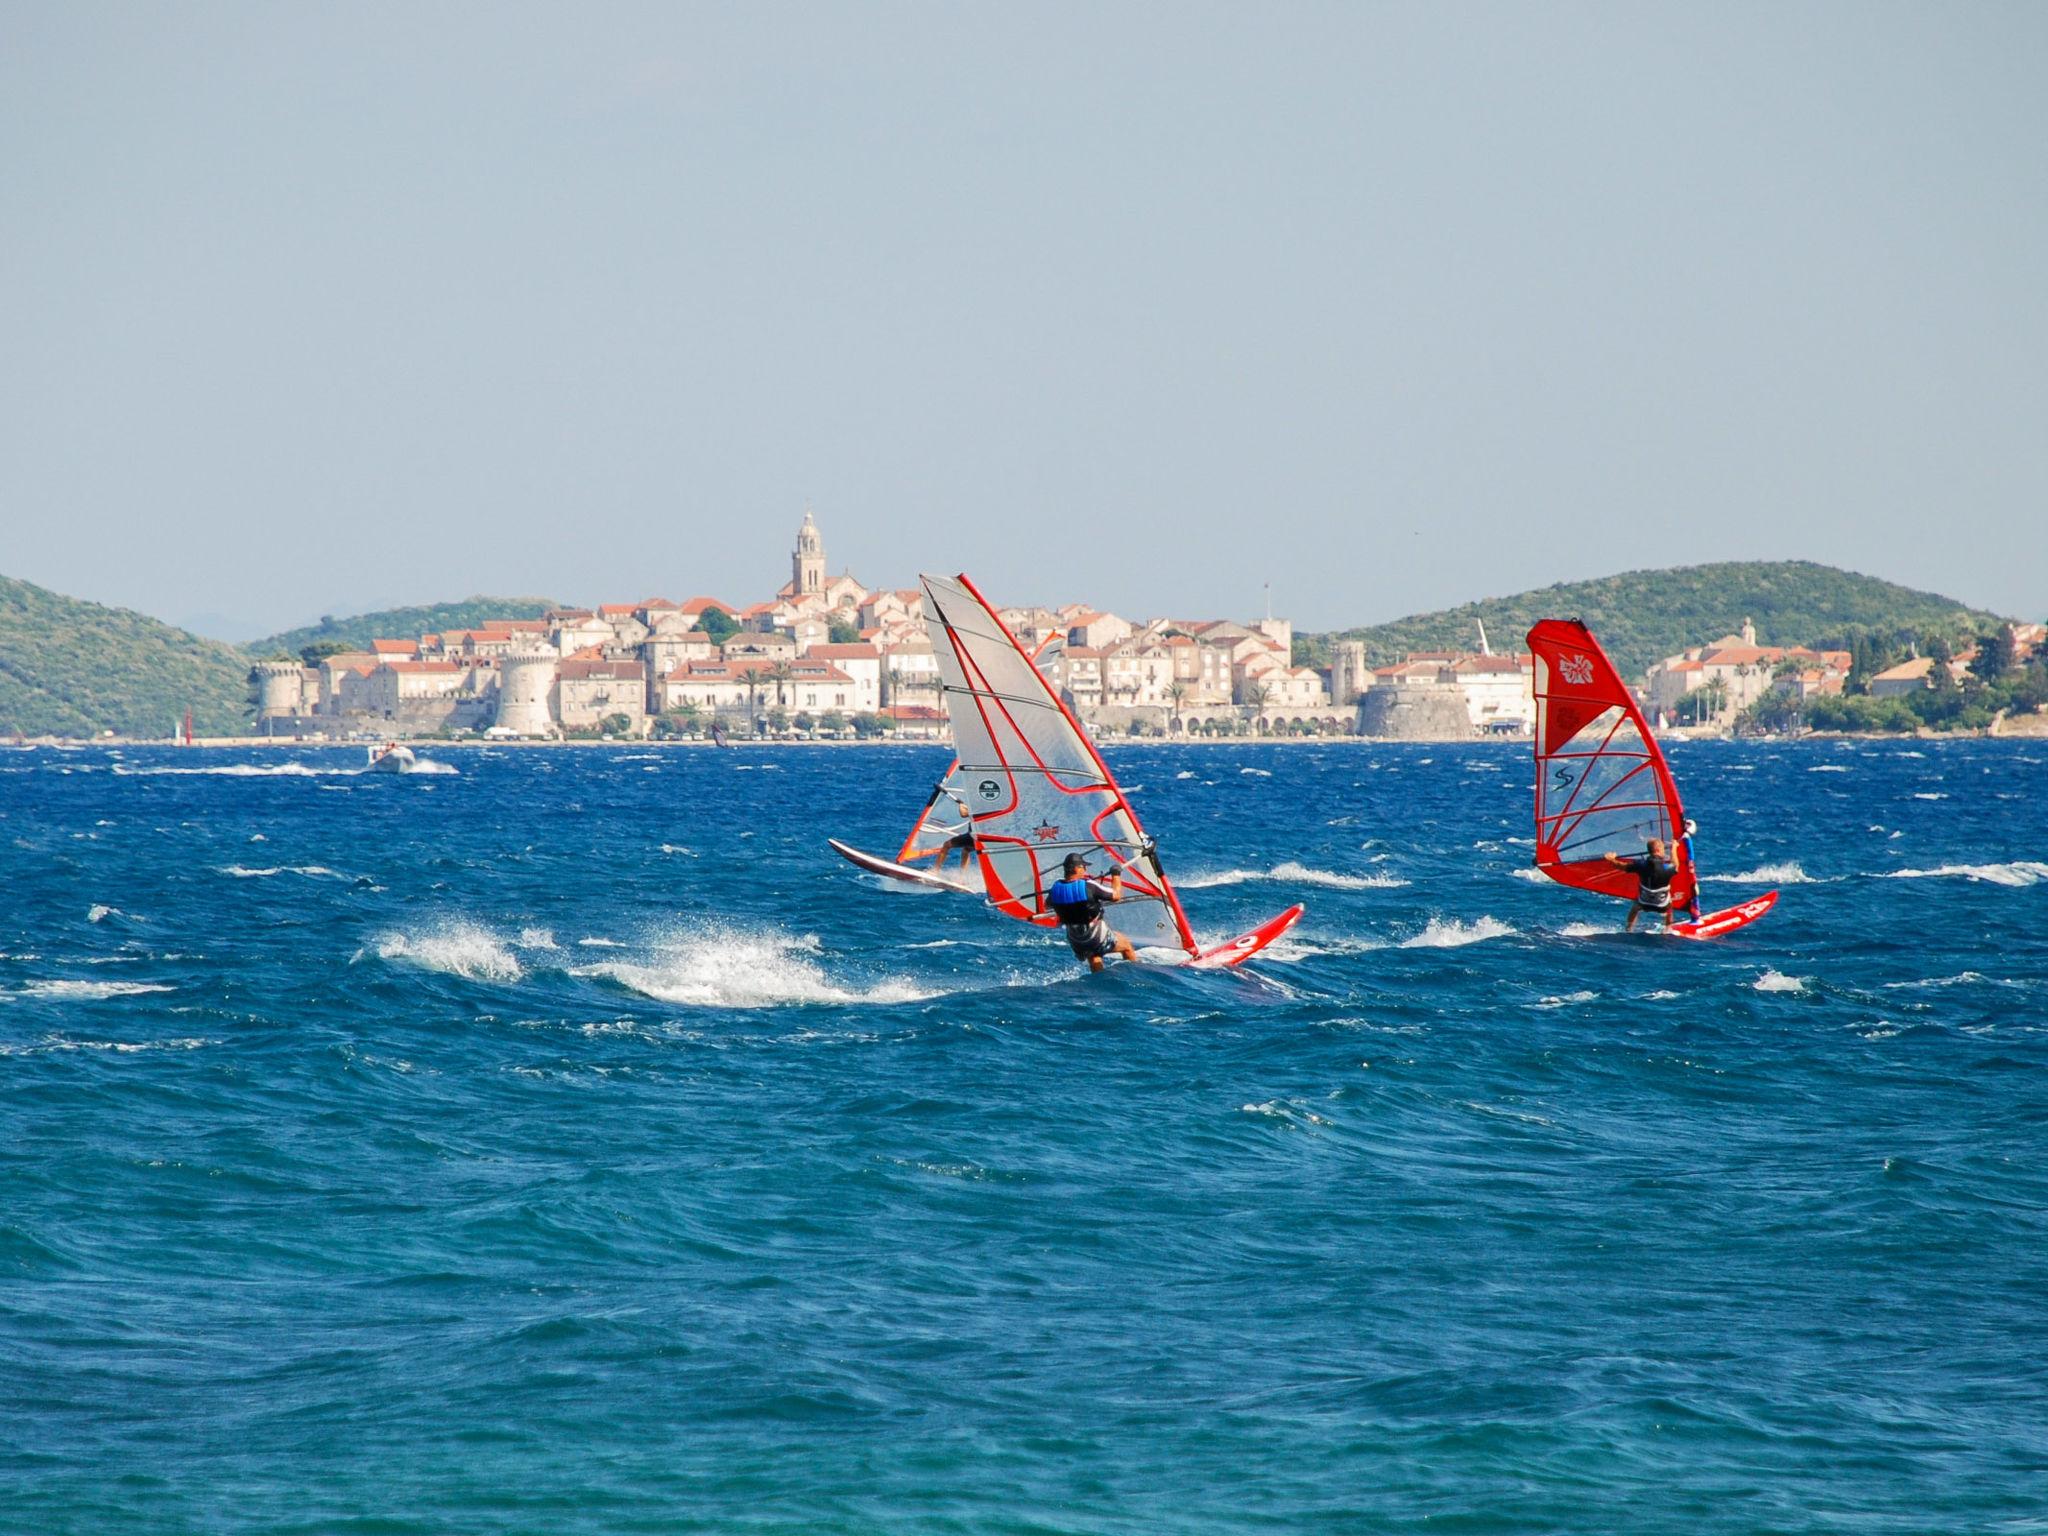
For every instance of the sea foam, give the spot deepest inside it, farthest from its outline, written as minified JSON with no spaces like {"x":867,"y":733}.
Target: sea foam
{"x":719,"y":967}
{"x":2018,"y":873}
{"x":1297,"y":874}
{"x":455,"y":947}
{"x":1450,"y":933}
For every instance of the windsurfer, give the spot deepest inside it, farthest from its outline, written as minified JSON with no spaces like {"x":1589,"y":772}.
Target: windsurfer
{"x":1654,"y":874}
{"x":1692,"y":905}
{"x":1077,"y":902}
{"x":962,"y":843}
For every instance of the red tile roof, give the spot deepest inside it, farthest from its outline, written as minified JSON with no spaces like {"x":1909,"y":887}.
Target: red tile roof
{"x":843,"y":653}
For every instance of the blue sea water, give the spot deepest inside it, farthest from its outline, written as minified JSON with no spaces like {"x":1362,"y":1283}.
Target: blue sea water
{"x":568,"y":1142}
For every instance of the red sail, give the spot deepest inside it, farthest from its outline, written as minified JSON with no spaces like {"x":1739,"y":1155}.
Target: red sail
{"x":1602,"y":785}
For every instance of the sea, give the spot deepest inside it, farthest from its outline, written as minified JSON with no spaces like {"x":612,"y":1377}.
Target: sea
{"x":566,"y":1141}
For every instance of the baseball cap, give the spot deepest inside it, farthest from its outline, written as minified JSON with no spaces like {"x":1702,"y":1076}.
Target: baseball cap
{"x":1074,"y":861}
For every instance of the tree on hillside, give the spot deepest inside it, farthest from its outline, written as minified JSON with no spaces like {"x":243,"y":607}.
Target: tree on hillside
{"x":1994,"y":654}
{"x":312,"y":655}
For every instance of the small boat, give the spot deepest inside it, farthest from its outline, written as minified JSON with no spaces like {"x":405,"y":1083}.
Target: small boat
{"x":391,"y":758}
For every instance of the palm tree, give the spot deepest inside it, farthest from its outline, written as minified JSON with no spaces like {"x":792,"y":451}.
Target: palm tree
{"x":780,"y":674}
{"x":1175,"y":692}
{"x":1256,"y":694}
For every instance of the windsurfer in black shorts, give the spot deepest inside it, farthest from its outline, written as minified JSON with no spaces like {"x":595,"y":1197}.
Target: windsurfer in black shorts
{"x":962,"y":843}
{"x":1077,"y":902}
{"x":1654,"y":874}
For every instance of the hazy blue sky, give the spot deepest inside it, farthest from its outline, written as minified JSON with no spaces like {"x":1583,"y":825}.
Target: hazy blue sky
{"x":322,"y":307}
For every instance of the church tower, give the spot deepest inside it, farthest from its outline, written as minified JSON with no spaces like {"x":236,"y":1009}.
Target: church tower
{"x":807,"y":565}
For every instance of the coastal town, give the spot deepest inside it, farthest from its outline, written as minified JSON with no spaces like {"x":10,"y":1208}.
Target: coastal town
{"x":829,"y":657}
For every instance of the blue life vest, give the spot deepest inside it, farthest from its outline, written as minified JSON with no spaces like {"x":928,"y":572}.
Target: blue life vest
{"x":1072,"y":902}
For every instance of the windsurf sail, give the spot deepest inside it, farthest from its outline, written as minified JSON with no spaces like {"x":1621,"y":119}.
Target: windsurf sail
{"x":1030,"y":780}
{"x":1602,"y":785}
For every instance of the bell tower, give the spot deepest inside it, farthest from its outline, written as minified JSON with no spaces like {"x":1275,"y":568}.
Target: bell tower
{"x":807,"y":565}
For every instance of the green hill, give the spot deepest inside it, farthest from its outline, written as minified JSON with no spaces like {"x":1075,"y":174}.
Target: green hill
{"x":1642,"y":616}
{"x":73,"y":668}
{"x":399,"y":624}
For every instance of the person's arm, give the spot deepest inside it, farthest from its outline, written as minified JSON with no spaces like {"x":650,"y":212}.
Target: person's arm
{"x":1613,"y":858}
{"x":1112,"y":888}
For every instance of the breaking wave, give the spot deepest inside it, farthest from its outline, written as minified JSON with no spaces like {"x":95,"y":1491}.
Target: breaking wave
{"x":1778,"y":981}
{"x":727,"y":968}
{"x":1298,"y":874}
{"x":1830,"y":768}
{"x":1449,"y":933}
{"x":89,"y":991}
{"x":2018,"y":873}
{"x":1788,"y":873}
{"x":239,"y":771}
{"x":313,"y":871}
{"x":456,"y":947}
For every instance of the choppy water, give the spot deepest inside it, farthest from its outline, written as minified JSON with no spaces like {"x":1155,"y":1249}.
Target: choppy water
{"x":569,"y":1143}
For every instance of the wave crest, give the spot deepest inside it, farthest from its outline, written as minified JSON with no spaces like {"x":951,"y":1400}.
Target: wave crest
{"x":2019,"y":872}
{"x":732,"y":968}
{"x":456,"y":947}
{"x":1298,"y":874}
{"x":1449,"y":933}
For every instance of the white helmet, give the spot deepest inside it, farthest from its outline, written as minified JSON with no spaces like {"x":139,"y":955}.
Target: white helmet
{"x":1691,"y":826}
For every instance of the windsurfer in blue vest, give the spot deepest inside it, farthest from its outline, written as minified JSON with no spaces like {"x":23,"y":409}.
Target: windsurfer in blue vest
{"x":1077,"y":902}
{"x":1654,"y":874}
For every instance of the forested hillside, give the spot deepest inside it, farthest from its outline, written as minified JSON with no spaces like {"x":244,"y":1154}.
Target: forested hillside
{"x":74,"y":668}
{"x":360,"y":629}
{"x":1641,"y":616}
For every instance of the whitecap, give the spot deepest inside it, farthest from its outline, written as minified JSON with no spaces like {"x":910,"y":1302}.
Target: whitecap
{"x":1185,"y":773}
{"x":1525,"y":872}
{"x":100,"y":913}
{"x":537,"y":938}
{"x":1583,"y":930}
{"x":312,"y":871}
{"x":1450,"y":933}
{"x":600,"y":944}
{"x":1777,"y":981}
{"x":1263,"y":773}
{"x":1298,"y":874}
{"x":719,"y":967}
{"x":2020,"y":872}
{"x":89,"y":991}
{"x":455,"y":947}
{"x":1930,"y":795}
{"x":431,"y":766}
{"x":1830,"y":768}
{"x":1768,"y":874}
{"x":241,"y":771}
{"x":1659,"y":996}
{"x":1568,"y":1000}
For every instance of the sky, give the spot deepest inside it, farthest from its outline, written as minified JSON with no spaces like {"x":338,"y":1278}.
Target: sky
{"x":314,"y":309}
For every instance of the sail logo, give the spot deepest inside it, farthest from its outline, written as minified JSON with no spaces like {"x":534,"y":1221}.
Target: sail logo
{"x":1576,"y":670}
{"x":988,"y":789}
{"x":1045,"y":831}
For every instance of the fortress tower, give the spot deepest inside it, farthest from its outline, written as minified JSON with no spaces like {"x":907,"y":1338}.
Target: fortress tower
{"x":280,"y":689}
{"x":1349,"y":675}
{"x":807,"y":565}
{"x":526,"y":677}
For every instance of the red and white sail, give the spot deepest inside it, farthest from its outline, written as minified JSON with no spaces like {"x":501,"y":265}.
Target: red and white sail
{"x":1032,"y":782}
{"x":1602,"y":785}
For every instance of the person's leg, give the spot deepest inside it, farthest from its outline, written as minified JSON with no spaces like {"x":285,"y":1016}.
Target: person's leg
{"x":1633,"y":908}
{"x":1126,"y":949}
{"x":1095,"y":962}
